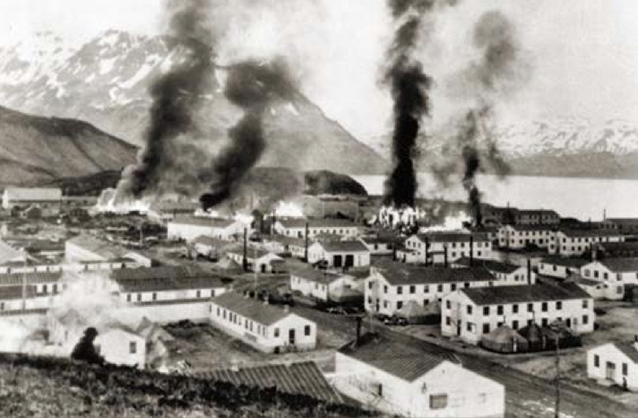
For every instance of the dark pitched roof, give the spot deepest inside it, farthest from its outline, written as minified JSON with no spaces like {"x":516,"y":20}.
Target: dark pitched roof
{"x":453,"y":236}
{"x":531,"y":227}
{"x":97,"y":246}
{"x":302,"y":378}
{"x":626,"y":221}
{"x":344,"y":246}
{"x":165,"y":278}
{"x":405,"y":361}
{"x":319,"y":276}
{"x":621,"y":265}
{"x":250,"y":308}
{"x":203,"y":221}
{"x":299,"y":242}
{"x":537,"y":212}
{"x":584,"y":233}
{"x":405,"y":273}
{"x":530,"y":293}
{"x":491,"y":265}
{"x":565,"y":261}
{"x":30,"y":278}
{"x":629,"y":350}
{"x":316,"y":223}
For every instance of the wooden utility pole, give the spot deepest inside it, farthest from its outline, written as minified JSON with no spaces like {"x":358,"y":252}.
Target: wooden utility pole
{"x":557,"y":406}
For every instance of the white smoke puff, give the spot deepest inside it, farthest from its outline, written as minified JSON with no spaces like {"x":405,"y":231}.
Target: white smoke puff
{"x":13,"y":336}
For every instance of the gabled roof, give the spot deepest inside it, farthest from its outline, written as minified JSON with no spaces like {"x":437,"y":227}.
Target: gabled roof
{"x":165,"y":278}
{"x":8,"y":253}
{"x":33,"y":193}
{"x":30,"y":278}
{"x":315,"y":275}
{"x":210,"y":241}
{"x":627,"y":349}
{"x":405,"y":361}
{"x":620,"y":265}
{"x":493,"y":295}
{"x":453,"y":236}
{"x":344,"y":246}
{"x":302,"y":378}
{"x":252,"y":252}
{"x":491,"y":265}
{"x":626,"y":221}
{"x":291,"y":241}
{"x":203,"y":221}
{"x":537,"y":212}
{"x":565,"y":261}
{"x":397,"y":273}
{"x":252,"y":309}
{"x":532,"y":228}
{"x":316,"y":223}
{"x":96,"y":246}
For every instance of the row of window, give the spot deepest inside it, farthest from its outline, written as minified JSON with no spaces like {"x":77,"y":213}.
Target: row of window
{"x":478,"y":244}
{"x":611,"y":366}
{"x":515,"y":324}
{"x":251,"y":326}
{"x":198,"y":294}
{"x":500,"y":309}
{"x":412,"y":289}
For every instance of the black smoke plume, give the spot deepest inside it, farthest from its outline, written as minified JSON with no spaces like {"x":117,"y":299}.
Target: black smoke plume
{"x":409,"y":85}
{"x":176,"y":96}
{"x":499,"y":73}
{"x":253,"y":87}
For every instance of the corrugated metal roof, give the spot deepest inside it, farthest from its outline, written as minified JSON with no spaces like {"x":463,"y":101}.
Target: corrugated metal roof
{"x":528,"y":293}
{"x":397,"y":273}
{"x":96,"y":246}
{"x":405,"y":361}
{"x":564,"y":261}
{"x":165,"y":278}
{"x":16,"y":292}
{"x":453,"y":237}
{"x":589,"y":233}
{"x":621,"y":265}
{"x":30,"y":278}
{"x":303,"y":378}
{"x":255,"y":310}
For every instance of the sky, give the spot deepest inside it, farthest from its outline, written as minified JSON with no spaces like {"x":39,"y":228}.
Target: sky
{"x":583,"y":54}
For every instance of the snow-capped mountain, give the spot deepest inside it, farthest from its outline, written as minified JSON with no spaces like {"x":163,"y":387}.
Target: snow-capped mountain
{"x":105,"y":82}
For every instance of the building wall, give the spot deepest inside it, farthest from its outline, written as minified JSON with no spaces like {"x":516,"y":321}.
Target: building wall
{"x":597,"y":271}
{"x":379,"y":248}
{"x":300,"y":232}
{"x":164,"y":313}
{"x":167,"y":295}
{"x":510,"y":237}
{"x":309,"y":287}
{"x":266,"y":338}
{"x":555,"y":270}
{"x":456,"y":320}
{"x":474,"y":397}
{"x":455,"y":250}
{"x":602,"y":290}
{"x":317,"y":253}
{"x":609,"y":353}
{"x":567,"y":246}
{"x":189,"y":232}
{"x":122,"y":348}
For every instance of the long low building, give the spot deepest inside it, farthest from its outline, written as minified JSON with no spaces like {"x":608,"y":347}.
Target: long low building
{"x":616,"y":270}
{"x":340,"y":254}
{"x":265,"y":327}
{"x":391,"y":285}
{"x":190,"y":227}
{"x":404,"y":380}
{"x":296,"y":227}
{"x":615,"y":362}
{"x":519,"y":237}
{"x":505,"y":273}
{"x":445,"y":247}
{"x":471,"y":313}
{"x":560,"y":267}
{"x":322,"y":284}
{"x":573,"y":242}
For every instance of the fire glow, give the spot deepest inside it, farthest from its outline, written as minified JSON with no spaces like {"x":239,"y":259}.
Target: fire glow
{"x":110,"y":203}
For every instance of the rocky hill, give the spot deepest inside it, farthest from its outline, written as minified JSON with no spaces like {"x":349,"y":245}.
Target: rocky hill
{"x":558,"y":147}
{"x":105,"y":82}
{"x":37,"y":149}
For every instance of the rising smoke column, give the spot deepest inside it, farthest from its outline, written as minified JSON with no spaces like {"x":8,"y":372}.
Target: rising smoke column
{"x":253,"y":87}
{"x":176,"y":96}
{"x":500,"y":71}
{"x":409,"y":85}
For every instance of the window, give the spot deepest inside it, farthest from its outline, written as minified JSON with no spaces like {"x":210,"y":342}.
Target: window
{"x":380,"y":390}
{"x":469,"y":309}
{"x":426,"y":289}
{"x":132,"y":347}
{"x":544,"y":322}
{"x":469,"y":327}
{"x":154,"y":296}
{"x":585,"y":304}
{"x":624,"y":369}
{"x":399,"y":290}
{"x":45,"y":290}
{"x":585,"y":319}
{"x":515,"y":308}
{"x":453,"y":287}
{"x":212,"y":293}
{"x":515,"y":324}
{"x":385,"y":289}
{"x":499,"y":310}
{"x":544,"y":306}
{"x":370,"y":285}
{"x":128,"y":297}
{"x":448,"y":304}
{"x":447,"y":320}
{"x":596,"y":360}
{"x":139,"y":297}
{"x":276,"y":332}
{"x":412,"y":289}
{"x":439,"y":288}
{"x":486,"y":328}
{"x":559,"y":305}
{"x":486,"y":310}
{"x":438,"y":401}
{"x":399,"y":304}
{"x":1,"y":306}
{"x":306,"y":330}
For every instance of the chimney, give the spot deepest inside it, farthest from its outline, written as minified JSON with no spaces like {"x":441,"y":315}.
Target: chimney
{"x":245,"y":258}
{"x":529,"y":271}
{"x":358,"y":336}
{"x":445,"y":264}
{"x":427,"y":250}
{"x":471,"y":250}
{"x":306,"y":242}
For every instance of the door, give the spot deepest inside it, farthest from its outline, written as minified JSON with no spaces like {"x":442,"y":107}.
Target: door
{"x":338,"y":260}
{"x":568,"y":322}
{"x":610,"y":371}
{"x":263,"y":268}
{"x":291,"y":337}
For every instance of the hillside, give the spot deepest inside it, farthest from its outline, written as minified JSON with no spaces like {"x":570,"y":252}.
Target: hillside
{"x":106,"y":80}
{"x":557,"y":147}
{"x":47,"y":387}
{"x":37,"y":149}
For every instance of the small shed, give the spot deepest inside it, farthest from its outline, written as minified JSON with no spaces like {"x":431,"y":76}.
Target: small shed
{"x":504,"y":340}
{"x":536,"y":337}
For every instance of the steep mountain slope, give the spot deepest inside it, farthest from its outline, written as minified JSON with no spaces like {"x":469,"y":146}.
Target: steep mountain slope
{"x":37,"y":149}
{"x":106,"y":80}
{"x":557,"y":147}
